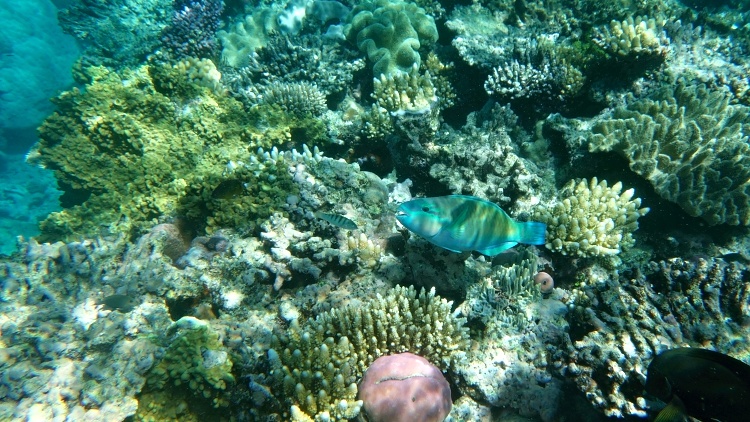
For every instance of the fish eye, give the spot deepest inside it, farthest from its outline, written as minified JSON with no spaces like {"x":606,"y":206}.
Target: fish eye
{"x":426,"y":209}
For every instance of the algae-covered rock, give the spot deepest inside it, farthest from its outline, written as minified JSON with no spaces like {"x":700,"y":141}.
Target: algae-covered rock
{"x":142,"y":145}
{"x":196,"y":360}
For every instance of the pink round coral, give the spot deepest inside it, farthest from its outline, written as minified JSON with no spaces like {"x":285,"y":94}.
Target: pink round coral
{"x":545,"y":281}
{"x":405,"y":388}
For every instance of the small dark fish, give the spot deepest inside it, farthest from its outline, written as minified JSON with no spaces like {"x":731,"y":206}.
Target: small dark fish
{"x":337,"y":220}
{"x":704,"y":384}
{"x":122,"y":303}
{"x":228,"y":189}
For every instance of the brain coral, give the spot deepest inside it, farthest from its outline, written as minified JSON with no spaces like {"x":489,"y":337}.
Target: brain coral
{"x":691,"y":144}
{"x":391,"y":33}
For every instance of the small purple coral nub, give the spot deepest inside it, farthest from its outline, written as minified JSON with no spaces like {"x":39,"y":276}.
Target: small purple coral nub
{"x":404,"y":388}
{"x":545,"y":282}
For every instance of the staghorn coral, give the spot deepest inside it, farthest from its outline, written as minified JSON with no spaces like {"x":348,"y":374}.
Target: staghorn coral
{"x":690,"y":143}
{"x":305,"y":58}
{"x":316,"y":363}
{"x":590,"y":218}
{"x":548,"y":80}
{"x":391,"y":32}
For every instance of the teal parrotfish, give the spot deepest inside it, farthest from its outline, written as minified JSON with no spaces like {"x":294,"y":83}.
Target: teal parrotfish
{"x":707,"y":385}
{"x":466,"y":223}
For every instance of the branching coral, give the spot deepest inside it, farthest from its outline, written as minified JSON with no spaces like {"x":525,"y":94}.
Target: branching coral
{"x":195,"y":359}
{"x":639,"y":37}
{"x":316,"y":364}
{"x":192,"y":32}
{"x":591,"y":219}
{"x":300,"y":99}
{"x":691,"y":144}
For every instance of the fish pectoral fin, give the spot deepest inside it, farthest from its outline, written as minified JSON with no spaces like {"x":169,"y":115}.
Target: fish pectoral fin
{"x":674,"y":412}
{"x":495,"y":250}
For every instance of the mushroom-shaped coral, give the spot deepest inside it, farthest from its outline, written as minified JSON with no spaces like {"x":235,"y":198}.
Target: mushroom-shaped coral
{"x":405,"y":387}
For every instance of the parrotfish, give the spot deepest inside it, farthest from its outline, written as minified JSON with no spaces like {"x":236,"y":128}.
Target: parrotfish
{"x":704,"y":384}
{"x":337,"y":220}
{"x":466,"y":223}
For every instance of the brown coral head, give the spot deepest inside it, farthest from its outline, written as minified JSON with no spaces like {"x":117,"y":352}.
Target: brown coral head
{"x":404,"y":388}
{"x":545,"y":282}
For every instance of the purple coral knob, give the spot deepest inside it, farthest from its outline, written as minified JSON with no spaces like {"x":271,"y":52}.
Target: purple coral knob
{"x":405,"y":388}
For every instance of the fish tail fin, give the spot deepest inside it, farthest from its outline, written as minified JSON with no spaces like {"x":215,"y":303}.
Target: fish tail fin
{"x":532,"y":233}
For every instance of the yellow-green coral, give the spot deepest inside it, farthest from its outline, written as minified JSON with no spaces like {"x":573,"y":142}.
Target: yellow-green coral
{"x":145,"y":144}
{"x":196,"y":360}
{"x":591,"y":219}
{"x":316,"y":364}
{"x":391,"y":33}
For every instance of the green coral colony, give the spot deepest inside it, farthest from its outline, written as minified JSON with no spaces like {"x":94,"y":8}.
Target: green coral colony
{"x":228,"y":245}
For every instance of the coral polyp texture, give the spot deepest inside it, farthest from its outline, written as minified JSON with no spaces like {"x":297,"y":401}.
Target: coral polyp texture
{"x":590,"y":218}
{"x":691,"y":143}
{"x":152,"y":142}
{"x":316,"y":364}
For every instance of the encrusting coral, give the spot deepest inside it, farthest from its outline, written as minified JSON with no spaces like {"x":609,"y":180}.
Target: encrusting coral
{"x":316,"y":364}
{"x":148,"y":143}
{"x":591,"y":219}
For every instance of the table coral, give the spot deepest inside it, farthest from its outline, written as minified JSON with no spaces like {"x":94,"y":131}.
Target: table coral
{"x":691,"y":143}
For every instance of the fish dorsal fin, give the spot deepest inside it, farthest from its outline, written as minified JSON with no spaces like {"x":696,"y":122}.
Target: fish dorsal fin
{"x":674,"y":412}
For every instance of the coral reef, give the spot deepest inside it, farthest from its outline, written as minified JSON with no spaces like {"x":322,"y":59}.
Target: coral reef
{"x":640,"y":37}
{"x":591,"y":219}
{"x":192,"y":32}
{"x":316,"y":363}
{"x":391,"y":32}
{"x":246,"y":35}
{"x":127,"y":154}
{"x":690,"y":143}
{"x":301,"y":99}
{"x":196,"y":359}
